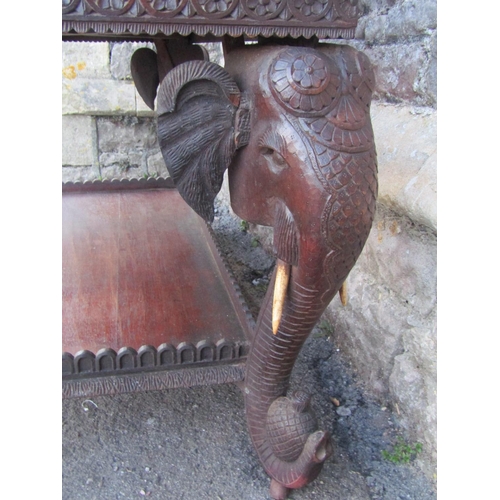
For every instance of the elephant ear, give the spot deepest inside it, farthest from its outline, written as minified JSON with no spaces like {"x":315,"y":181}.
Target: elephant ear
{"x":148,"y":67}
{"x":202,"y":120}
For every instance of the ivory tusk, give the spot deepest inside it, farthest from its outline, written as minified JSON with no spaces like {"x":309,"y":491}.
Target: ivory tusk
{"x":280,"y":286}
{"x":343,"y":293}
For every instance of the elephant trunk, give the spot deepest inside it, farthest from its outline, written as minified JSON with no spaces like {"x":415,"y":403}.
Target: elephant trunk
{"x":308,"y":168}
{"x":282,"y":429}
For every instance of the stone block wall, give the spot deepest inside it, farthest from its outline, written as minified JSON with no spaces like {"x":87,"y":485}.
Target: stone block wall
{"x":400,"y":37}
{"x":388,"y":328}
{"x":108,"y":131}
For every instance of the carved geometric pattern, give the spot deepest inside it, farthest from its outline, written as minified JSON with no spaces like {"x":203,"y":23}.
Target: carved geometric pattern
{"x":321,"y":18}
{"x":331,"y":133}
{"x":288,"y":427}
{"x":214,"y":9}
{"x":330,"y":95}
{"x":107,"y":361}
{"x":264,"y":9}
{"x":117,"y":184}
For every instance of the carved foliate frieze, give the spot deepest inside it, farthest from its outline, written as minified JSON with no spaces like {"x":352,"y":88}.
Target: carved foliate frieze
{"x":321,"y":18}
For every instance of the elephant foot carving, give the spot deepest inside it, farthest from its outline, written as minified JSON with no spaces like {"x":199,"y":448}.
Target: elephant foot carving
{"x":292,"y":126}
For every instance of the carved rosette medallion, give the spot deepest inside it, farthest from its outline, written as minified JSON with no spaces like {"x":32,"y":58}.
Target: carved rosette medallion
{"x":214,"y":8}
{"x":310,"y":10}
{"x":264,"y":9}
{"x":114,"y":7}
{"x":163,"y":8}
{"x":305,"y":83}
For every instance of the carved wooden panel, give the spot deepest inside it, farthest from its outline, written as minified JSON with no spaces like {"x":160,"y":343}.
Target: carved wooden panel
{"x":307,"y":18}
{"x":144,"y":288}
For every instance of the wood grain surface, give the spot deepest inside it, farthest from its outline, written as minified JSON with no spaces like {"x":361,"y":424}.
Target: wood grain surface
{"x":140,"y":268}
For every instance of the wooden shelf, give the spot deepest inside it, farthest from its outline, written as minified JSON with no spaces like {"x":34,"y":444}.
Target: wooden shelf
{"x":144,"y":286}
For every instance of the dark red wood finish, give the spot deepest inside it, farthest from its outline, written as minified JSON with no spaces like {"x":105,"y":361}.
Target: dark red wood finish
{"x":140,"y":267}
{"x":292,"y":126}
{"x":148,"y":18}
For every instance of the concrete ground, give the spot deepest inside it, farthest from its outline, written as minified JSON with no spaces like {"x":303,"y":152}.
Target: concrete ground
{"x":193,"y":443}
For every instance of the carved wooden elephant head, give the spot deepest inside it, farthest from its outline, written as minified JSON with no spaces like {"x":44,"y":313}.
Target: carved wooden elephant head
{"x":293,"y":126}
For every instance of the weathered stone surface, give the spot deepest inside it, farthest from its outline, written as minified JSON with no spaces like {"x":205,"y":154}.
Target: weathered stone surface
{"x":388,"y":328}
{"x":98,"y":97}
{"x":80,"y":174}
{"x":406,"y":140}
{"x":404,"y":72}
{"x":79,"y":141}
{"x":215,"y":52}
{"x":426,"y":84}
{"x":120,"y":58}
{"x":398,"y":70}
{"x":413,"y":386}
{"x":142,"y":109}
{"x":85,"y":60}
{"x":122,"y":134}
{"x":156,"y":165}
{"x":400,"y":39}
{"x":224,"y":196}
{"x":123,"y":160}
{"x":407,"y":18}
{"x":369,"y":6}
{"x":123,"y":171}
{"x":125,"y":146}
{"x":92,"y":87}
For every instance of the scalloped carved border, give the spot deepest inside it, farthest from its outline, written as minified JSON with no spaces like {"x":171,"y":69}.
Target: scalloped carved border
{"x":321,"y":18}
{"x":127,"y":360}
{"x":117,"y":184}
{"x":152,"y":381}
{"x":168,"y":366}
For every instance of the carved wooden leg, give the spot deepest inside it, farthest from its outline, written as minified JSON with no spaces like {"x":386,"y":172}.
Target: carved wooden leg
{"x":292,"y":125}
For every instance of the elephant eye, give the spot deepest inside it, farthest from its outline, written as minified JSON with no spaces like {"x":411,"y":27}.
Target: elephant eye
{"x":273,"y":149}
{"x":275,"y":160}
